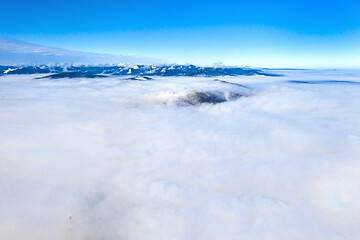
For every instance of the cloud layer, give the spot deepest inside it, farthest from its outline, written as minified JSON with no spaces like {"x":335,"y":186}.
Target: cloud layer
{"x":127,"y":162}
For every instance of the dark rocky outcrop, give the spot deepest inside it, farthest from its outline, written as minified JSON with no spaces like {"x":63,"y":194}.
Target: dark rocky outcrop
{"x":73,"y":75}
{"x":212,"y":97}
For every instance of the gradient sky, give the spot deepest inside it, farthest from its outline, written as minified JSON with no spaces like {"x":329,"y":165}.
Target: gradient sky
{"x":258,"y":33}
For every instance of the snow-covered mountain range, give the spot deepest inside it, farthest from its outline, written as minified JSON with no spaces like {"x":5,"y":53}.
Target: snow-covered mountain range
{"x":135,"y":70}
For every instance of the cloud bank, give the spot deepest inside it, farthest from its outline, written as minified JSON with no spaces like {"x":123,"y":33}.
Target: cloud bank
{"x":127,"y":162}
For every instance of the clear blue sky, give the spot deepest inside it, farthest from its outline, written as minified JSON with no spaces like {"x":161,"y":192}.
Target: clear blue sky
{"x":318,"y":33}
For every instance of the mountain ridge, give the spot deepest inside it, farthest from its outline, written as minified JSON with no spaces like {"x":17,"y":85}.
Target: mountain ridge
{"x":137,"y":70}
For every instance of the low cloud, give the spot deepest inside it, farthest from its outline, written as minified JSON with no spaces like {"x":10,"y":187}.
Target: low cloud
{"x":281,"y":163}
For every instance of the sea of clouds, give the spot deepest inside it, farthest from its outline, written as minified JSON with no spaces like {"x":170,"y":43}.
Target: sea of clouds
{"x":110,"y":158}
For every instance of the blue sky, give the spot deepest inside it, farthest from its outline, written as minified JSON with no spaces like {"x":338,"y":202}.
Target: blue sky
{"x":257,"y":33}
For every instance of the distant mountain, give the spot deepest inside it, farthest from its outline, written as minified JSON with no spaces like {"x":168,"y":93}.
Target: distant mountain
{"x":18,"y":57}
{"x":134,"y":70}
{"x":13,"y":52}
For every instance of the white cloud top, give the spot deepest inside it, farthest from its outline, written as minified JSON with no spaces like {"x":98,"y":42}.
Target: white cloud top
{"x":282,"y":163}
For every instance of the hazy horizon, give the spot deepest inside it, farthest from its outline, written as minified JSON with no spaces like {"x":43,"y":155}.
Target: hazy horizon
{"x":157,"y":61}
{"x":296,"y":34}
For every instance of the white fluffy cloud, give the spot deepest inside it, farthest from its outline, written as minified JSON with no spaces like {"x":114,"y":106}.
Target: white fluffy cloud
{"x":282,"y":163}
